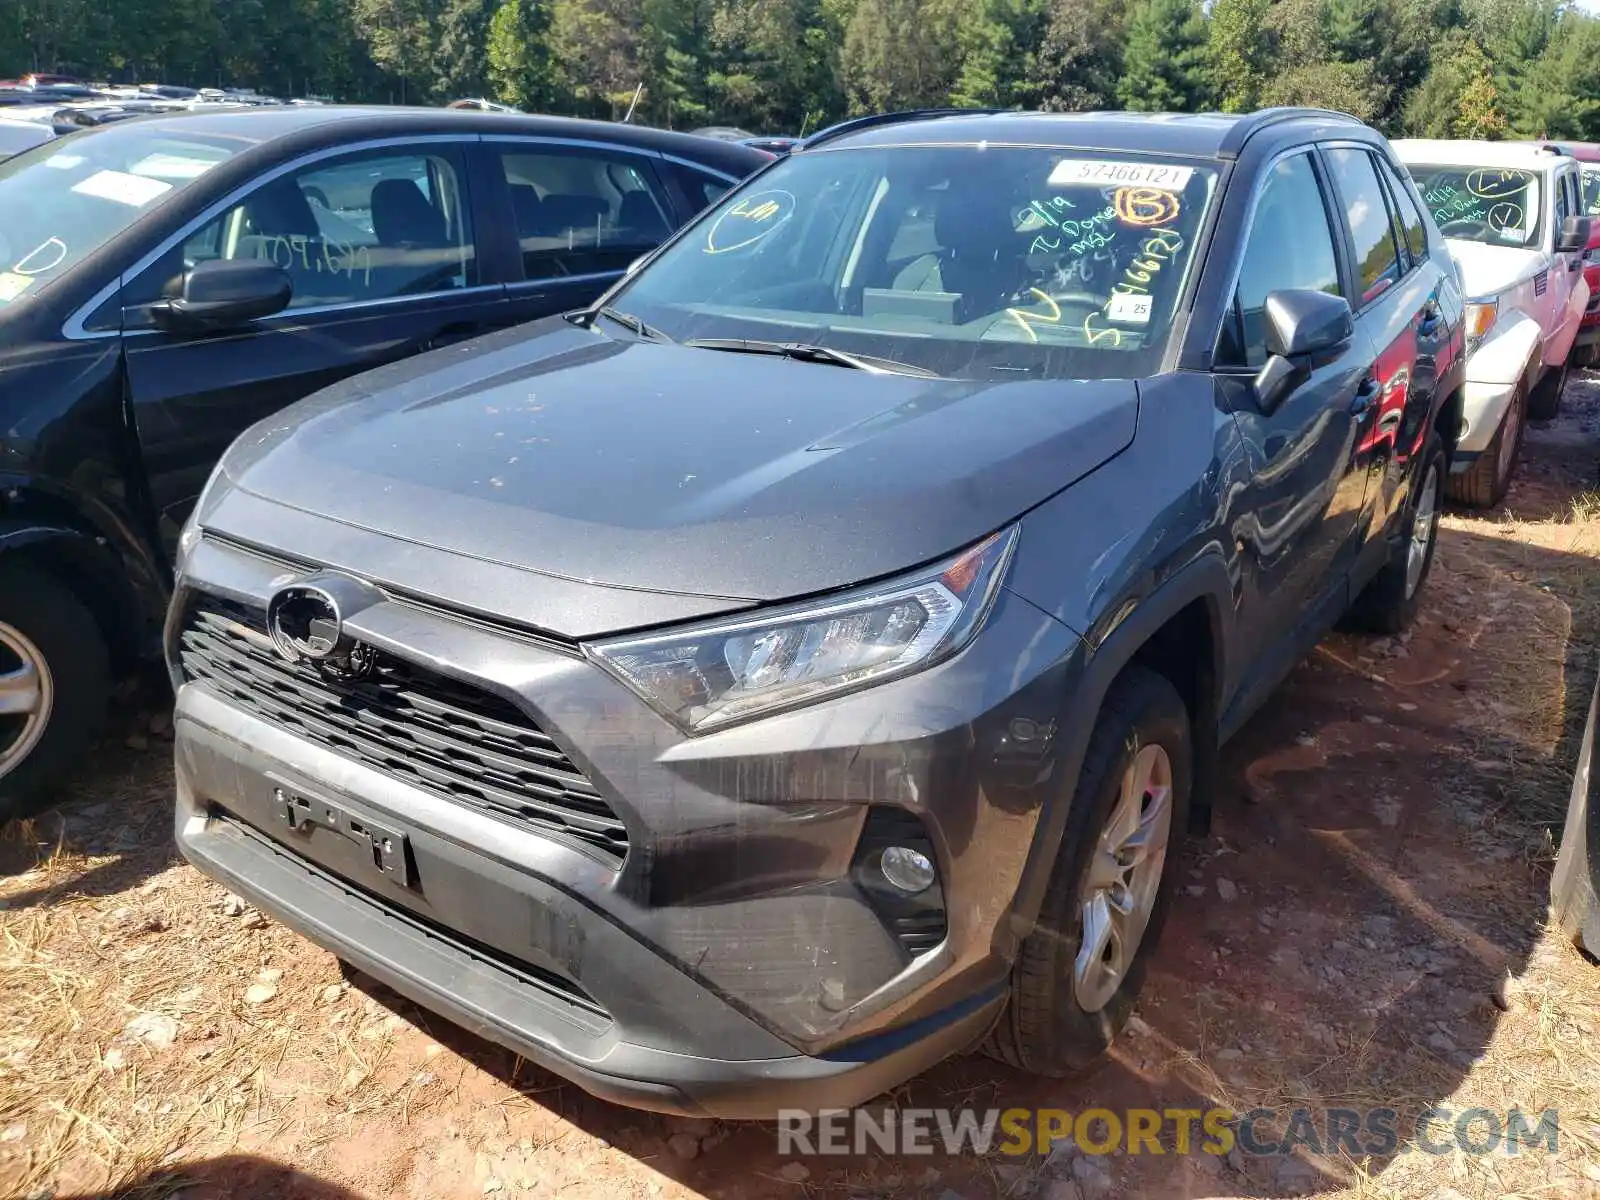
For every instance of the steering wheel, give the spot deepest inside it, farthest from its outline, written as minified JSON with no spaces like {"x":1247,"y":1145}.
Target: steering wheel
{"x":1465,"y":227}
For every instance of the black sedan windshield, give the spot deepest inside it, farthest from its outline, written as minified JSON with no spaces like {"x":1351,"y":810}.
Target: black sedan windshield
{"x":962,"y":261}
{"x":65,"y":200}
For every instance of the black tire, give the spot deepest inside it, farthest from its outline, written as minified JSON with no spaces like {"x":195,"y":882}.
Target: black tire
{"x":1544,"y":402}
{"x":1389,"y":603}
{"x":36,"y":606}
{"x":1484,"y":484}
{"x":1044,"y":1029}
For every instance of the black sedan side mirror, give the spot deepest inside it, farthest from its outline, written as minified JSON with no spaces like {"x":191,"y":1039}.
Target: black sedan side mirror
{"x":224,"y":294}
{"x":1574,"y":236}
{"x":1301,"y":326}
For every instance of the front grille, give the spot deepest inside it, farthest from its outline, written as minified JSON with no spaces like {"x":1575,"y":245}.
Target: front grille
{"x":412,"y":724}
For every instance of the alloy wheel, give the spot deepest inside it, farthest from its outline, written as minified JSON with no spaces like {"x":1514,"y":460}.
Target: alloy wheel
{"x":1424,"y":527}
{"x":1124,"y":877}
{"x":27,"y":694}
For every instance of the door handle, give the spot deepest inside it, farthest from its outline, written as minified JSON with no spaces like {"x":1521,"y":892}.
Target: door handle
{"x":1366,"y":396}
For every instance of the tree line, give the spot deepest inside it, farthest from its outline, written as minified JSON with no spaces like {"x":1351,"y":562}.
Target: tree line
{"x":1435,"y":68}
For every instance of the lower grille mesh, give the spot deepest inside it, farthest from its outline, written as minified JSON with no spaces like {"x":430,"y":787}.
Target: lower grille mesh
{"x":408,"y":722}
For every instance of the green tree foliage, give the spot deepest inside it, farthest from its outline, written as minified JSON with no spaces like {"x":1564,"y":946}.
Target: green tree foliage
{"x":1080,"y":58}
{"x":1164,"y":57}
{"x":1239,"y":52}
{"x":1437,"y":67}
{"x":518,"y":55}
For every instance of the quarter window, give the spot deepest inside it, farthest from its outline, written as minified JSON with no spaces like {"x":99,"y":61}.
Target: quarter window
{"x":1367,"y":215}
{"x":1290,"y":247}
{"x":583,"y":213}
{"x":368,"y":227}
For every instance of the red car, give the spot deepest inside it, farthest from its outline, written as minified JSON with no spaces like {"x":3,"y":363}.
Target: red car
{"x":1586,"y":348}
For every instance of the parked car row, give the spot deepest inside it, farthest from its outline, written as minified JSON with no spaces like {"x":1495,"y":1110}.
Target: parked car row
{"x":1517,"y":226}
{"x":794,"y":645}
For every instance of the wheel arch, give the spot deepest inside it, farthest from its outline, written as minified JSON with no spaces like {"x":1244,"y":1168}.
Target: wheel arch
{"x":89,"y":570}
{"x":1180,"y":630}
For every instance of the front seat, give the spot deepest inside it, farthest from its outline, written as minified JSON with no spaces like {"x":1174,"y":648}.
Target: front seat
{"x":639,"y":215}
{"x":978,"y":257}
{"x":402,"y":216}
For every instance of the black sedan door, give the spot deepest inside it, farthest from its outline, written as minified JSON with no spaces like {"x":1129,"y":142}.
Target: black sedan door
{"x":379,"y":245}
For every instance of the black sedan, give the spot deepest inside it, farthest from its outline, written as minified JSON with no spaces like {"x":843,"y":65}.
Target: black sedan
{"x":166,"y":282}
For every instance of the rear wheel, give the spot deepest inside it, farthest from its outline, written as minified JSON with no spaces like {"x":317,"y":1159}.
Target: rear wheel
{"x":1484,"y":484}
{"x":1078,"y":973}
{"x":54,"y":682}
{"x":1545,"y":401}
{"x":1389,"y":603}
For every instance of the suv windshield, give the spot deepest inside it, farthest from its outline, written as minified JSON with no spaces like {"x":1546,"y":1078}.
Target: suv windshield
{"x":962,"y":261}
{"x":1496,"y":205}
{"x":66,"y":199}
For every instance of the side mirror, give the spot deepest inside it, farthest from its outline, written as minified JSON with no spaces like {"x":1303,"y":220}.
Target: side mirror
{"x":224,"y":294}
{"x":1574,"y":235}
{"x":1301,"y":325}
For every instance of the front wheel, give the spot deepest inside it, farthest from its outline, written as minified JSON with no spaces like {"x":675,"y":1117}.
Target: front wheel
{"x":1484,"y":484}
{"x":1078,"y":973}
{"x":54,"y":683}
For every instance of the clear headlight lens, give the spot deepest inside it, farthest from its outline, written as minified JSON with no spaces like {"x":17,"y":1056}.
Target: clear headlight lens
{"x":707,"y":676}
{"x":1481,"y":316}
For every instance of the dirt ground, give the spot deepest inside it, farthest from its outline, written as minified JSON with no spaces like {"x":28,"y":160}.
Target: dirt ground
{"x":1365,"y":926}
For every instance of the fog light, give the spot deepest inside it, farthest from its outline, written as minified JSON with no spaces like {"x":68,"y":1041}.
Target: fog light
{"x":909,"y":870}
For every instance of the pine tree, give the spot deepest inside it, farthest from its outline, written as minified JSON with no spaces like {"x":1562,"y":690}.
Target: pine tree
{"x":1080,"y":58}
{"x":519,"y":55}
{"x":1164,"y":59}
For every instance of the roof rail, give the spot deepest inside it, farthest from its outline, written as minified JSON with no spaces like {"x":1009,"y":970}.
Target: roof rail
{"x":914,"y":114}
{"x":1252,"y":123}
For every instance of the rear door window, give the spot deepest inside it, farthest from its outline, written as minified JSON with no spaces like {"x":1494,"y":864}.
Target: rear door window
{"x":583,"y":212}
{"x":1366,"y":212}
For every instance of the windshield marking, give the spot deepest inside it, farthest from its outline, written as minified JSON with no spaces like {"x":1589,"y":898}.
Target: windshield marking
{"x":1143,"y":207}
{"x":26,"y":266}
{"x":757,"y":210}
{"x":1496,"y":185}
{"x":1025,"y":319}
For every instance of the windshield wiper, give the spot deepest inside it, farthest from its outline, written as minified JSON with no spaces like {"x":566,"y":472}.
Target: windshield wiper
{"x":804,"y":352}
{"x":630,"y":322}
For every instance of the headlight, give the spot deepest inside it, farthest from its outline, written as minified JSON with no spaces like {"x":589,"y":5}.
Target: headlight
{"x":1481,"y":315}
{"x":708,"y":676}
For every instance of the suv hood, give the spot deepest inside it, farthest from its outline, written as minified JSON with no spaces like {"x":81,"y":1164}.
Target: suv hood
{"x":1489,"y":270}
{"x":567,"y":452}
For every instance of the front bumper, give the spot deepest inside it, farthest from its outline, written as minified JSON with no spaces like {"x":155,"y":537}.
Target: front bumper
{"x":730,"y":965}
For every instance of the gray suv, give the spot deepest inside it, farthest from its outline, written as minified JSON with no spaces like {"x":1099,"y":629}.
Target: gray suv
{"x":808,"y":662}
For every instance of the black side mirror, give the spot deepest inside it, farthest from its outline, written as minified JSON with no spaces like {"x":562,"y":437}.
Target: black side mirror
{"x":224,"y":294}
{"x":1301,"y":326}
{"x":1574,"y":236}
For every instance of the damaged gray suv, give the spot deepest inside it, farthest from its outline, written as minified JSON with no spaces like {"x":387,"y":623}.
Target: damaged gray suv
{"x":808,"y":663}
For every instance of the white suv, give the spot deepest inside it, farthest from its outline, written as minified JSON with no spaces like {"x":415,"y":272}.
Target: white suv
{"x":1513,"y":218}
